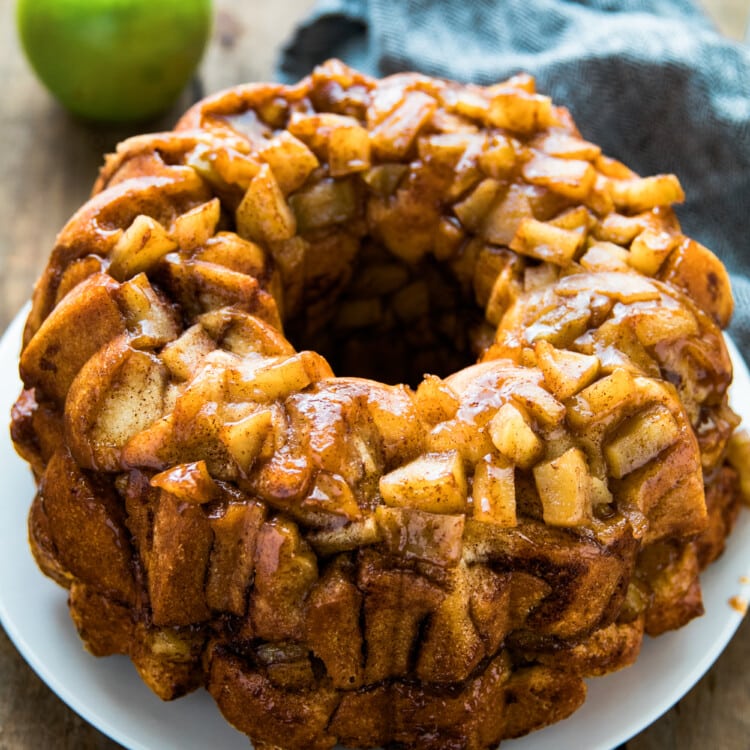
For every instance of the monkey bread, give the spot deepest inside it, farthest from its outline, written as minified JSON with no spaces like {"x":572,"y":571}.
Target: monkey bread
{"x":518,"y":469}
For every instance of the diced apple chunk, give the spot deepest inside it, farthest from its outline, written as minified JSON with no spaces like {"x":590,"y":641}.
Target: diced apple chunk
{"x":184,"y":356}
{"x":447,"y":149}
{"x":331,"y":493}
{"x":230,"y":250}
{"x":324,"y":204}
{"x":601,"y":399}
{"x":291,"y":161}
{"x":434,"y":482}
{"x":151,"y":320}
{"x":473,"y":209}
{"x":565,"y":372}
{"x":436,"y":401}
{"x":543,"y":241}
{"x":245,"y":439}
{"x":350,"y":536}
{"x":649,"y":249}
{"x":278,"y":379}
{"x":264,"y":215}
{"x":499,"y":158}
{"x":383,"y":179}
{"x":395,"y":418}
{"x":605,"y":256}
{"x":619,"y":229}
{"x":520,"y":111}
{"x":494,"y":492}
{"x":223,"y":165}
{"x":599,"y":200}
{"x":566,"y":146}
{"x":644,"y":193}
{"x":640,"y":440}
{"x":467,"y":102}
{"x":574,"y":218}
{"x":491,"y":261}
{"x":501,"y":223}
{"x":142,"y":244}
{"x":188,"y":482}
{"x":472,"y":443}
{"x":376,"y":280}
{"x":465,"y":170}
{"x":573,"y":178}
{"x":513,"y":436}
{"x":192,"y":229}
{"x":348,"y":150}
{"x":564,"y":486}
{"x":315,"y":129}
{"x":538,"y":403}
{"x":394,"y":135}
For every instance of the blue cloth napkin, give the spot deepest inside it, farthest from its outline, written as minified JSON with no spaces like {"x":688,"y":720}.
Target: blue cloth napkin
{"x":652,"y":82}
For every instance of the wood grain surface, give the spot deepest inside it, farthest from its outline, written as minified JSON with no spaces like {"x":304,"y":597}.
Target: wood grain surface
{"x":48,"y":162}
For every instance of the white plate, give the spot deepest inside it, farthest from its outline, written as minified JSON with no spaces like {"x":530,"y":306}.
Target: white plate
{"x":109,"y":694}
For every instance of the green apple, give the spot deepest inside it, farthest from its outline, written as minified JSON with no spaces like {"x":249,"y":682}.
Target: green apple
{"x":114,"y":60}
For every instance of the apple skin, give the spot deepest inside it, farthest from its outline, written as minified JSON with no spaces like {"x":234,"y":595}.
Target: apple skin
{"x":114,"y":60}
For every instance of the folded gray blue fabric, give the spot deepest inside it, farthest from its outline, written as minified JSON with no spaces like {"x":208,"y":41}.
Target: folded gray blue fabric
{"x":653,"y":83}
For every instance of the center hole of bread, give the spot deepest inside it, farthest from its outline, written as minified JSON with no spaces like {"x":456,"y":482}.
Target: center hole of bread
{"x":392,"y":321}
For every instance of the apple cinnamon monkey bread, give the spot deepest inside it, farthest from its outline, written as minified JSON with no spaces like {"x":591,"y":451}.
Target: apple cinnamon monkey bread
{"x":380,"y":557}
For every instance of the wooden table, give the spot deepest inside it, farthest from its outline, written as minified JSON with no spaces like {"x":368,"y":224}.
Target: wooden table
{"x":48,"y":162}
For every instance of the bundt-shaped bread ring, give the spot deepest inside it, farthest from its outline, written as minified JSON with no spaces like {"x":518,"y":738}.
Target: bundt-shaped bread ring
{"x":346,"y":558}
